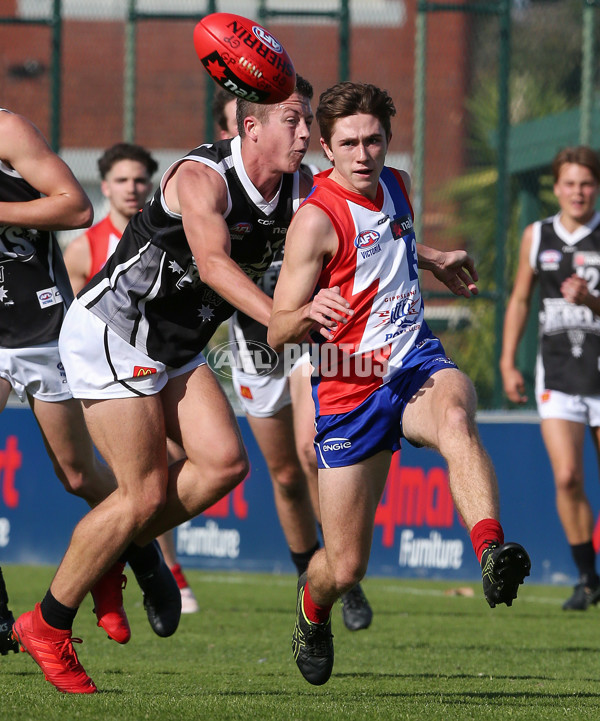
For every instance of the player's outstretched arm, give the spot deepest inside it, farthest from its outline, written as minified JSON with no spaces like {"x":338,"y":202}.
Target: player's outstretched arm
{"x":454,"y":268}
{"x":65,"y":205}
{"x":310,"y":241}
{"x":200,"y":195}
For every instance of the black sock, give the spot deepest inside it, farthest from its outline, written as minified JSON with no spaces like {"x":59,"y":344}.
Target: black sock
{"x":301,"y":560}
{"x":57,"y":615}
{"x":584,"y":556}
{"x":142,"y":559}
{"x":3,"y":593}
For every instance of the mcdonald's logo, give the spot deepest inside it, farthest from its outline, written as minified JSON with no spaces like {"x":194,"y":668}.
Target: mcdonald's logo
{"x":139,"y":371}
{"x":246,"y":392}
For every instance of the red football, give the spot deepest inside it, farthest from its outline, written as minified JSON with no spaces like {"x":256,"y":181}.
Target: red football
{"x":244,"y":58}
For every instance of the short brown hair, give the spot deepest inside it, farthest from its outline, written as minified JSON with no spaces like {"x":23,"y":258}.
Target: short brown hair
{"x":126,"y":151}
{"x":261,"y":111}
{"x":221,"y":100}
{"x":348,"y":98}
{"x":579,"y":155}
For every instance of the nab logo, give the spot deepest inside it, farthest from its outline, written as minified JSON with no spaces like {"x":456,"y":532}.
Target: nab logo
{"x":366,"y":239}
{"x":140,"y":371}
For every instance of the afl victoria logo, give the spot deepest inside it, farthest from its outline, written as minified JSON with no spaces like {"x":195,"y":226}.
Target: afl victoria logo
{"x":266,"y":38}
{"x":550,"y":256}
{"x":366,"y":239}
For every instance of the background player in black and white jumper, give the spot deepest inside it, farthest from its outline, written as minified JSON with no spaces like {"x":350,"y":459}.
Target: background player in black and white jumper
{"x":132,"y":347}
{"x":562,"y":253}
{"x":38,"y":195}
{"x":280,"y":412}
{"x":34,"y":290}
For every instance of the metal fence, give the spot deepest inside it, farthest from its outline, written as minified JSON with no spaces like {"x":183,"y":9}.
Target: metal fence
{"x":486,"y":91}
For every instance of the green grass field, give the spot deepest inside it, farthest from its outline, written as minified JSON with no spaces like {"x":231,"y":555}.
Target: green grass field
{"x":428,"y":655}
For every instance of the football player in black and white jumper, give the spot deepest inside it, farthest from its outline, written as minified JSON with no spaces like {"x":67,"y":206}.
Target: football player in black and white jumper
{"x":562,"y":254}
{"x":132,"y":346}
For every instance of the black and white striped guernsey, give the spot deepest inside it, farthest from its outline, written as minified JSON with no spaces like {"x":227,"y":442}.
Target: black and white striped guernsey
{"x":569,"y":334}
{"x":34,"y":285}
{"x":150,"y":293}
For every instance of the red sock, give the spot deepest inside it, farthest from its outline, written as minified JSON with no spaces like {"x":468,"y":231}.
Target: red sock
{"x":177,"y":571}
{"x":483,"y":533}
{"x":314,"y":613}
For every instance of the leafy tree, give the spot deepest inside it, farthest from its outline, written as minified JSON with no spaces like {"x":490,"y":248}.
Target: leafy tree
{"x":474,"y":196}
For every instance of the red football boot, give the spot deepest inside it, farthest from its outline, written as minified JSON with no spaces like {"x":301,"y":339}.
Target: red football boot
{"x":52,"y":650}
{"x":108,"y":604}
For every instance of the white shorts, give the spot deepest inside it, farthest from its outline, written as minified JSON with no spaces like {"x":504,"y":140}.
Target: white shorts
{"x":580,"y":409}
{"x":264,"y":396}
{"x":36,"y":371}
{"x":100,"y":364}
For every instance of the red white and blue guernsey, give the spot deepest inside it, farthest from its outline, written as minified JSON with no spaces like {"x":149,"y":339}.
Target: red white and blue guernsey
{"x":386,"y":345}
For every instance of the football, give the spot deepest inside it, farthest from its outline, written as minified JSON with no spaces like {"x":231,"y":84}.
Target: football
{"x":244,"y":58}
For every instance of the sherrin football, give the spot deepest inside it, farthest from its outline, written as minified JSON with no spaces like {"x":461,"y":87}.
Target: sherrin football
{"x":244,"y":58}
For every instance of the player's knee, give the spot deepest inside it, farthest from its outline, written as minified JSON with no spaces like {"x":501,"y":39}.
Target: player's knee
{"x":348,"y":573}
{"x":233,"y":470}
{"x":147,"y":505}
{"x":460,"y":419}
{"x":458,"y":429}
{"x":569,"y":481}
{"x":308,"y":458}
{"x":290,"y":482}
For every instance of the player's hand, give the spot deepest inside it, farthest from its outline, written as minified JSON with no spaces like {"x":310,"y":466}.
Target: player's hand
{"x":575,"y":289}
{"x":514,"y":385}
{"x":329,"y":309}
{"x":457,"y":272}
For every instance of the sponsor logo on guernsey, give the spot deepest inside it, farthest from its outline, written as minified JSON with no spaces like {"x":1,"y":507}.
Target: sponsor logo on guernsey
{"x":239,"y":230}
{"x":401,"y":226}
{"x":336,"y":444}
{"x":367,"y":243}
{"x":61,"y":372}
{"x":49,"y":296}
{"x":550,"y":259}
{"x":403,"y":315}
{"x":140,"y":371}
{"x":586,"y":258}
{"x":443,"y":359}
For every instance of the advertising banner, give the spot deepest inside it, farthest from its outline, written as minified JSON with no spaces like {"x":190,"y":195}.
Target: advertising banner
{"x":418,"y":532}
